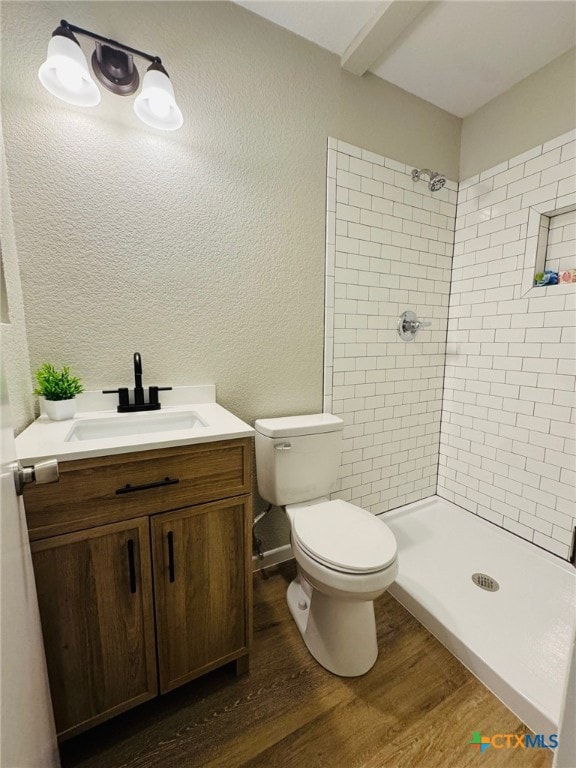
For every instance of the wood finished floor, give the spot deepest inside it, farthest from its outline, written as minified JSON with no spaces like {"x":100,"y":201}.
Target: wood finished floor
{"x":417,"y":707}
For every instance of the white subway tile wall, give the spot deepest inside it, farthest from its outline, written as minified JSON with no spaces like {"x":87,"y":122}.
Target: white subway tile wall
{"x":507,"y":449}
{"x":389,"y":245}
{"x":508,"y":440}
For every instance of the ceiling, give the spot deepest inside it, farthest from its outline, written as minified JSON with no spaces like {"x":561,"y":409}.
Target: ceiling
{"x":456,"y":54}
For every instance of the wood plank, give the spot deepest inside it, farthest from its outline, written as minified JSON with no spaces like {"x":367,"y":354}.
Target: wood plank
{"x":418,"y":706}
{"x":441,"y":739}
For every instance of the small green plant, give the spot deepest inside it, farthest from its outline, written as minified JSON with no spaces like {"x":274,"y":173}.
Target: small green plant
{"x":57,"y":385}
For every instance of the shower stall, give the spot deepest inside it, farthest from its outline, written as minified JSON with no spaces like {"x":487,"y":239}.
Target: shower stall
{"x":461,"y":434}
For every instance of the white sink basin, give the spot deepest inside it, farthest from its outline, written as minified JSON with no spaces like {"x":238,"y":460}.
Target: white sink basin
{"x":133,"y":424}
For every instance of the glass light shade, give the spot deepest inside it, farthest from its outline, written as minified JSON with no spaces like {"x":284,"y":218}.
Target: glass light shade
{"x":65,"y":73}
{"x":155,"y":105}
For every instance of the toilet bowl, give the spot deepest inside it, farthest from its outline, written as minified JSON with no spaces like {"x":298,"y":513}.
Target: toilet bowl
{"x":341,"y":571}
{"x":346,"y":557}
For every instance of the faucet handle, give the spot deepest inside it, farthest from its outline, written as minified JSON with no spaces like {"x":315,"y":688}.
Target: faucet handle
{"x":122,"y":392}
{"x":153,"y":394}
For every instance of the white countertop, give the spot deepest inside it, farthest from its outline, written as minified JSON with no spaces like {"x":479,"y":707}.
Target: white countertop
{"x":45,"y":439}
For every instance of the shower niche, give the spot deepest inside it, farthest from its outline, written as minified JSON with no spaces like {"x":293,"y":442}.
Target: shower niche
{"x":550,"y":244}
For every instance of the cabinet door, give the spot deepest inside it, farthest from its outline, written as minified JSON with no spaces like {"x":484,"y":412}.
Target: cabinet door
{"x":95,"y":597}
{"x":202,"y":584}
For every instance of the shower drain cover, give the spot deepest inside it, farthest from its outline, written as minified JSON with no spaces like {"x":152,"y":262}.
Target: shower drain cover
{"x":485,"y":582}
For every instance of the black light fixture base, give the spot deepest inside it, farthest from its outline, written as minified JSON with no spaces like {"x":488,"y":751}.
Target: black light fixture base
{"x":115,"y":69}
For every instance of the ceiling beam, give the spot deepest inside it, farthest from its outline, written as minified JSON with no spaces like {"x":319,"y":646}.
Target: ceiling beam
{"x":379,"y":34}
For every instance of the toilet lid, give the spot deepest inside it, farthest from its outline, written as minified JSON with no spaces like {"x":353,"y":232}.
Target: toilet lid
{"x":344,"y":536}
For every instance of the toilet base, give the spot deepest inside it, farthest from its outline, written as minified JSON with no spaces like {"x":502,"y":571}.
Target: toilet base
{"x":340,"y":634}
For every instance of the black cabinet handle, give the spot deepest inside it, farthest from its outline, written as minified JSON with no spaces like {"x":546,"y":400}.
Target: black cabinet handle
{"x":171,"y":574}
{"x":131,"y":566}
{"x":133,"y":488}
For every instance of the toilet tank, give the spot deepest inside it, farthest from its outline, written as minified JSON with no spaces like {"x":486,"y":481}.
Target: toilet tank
{"x":297,"y":457}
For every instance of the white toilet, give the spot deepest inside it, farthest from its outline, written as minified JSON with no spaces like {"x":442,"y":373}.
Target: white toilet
{"x":346,"y":557}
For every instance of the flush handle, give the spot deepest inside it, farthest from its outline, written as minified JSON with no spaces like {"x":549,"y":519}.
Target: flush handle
{"x":41,"y":473}
{"x":283,"y":446}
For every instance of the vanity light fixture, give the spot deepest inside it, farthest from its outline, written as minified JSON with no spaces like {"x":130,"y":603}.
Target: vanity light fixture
{"x":65,"y":74}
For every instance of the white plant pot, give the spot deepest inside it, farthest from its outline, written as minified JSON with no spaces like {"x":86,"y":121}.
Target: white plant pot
{"x":59,"y":410}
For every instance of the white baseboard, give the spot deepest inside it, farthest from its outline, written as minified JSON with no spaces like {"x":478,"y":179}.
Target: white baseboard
{"x":272,"y":557}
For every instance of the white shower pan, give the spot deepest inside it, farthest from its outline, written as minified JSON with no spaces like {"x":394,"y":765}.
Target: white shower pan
{"x":516,"y":640}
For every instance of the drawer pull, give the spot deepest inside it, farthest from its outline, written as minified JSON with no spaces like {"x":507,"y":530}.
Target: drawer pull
{"x":132,"y":488}
{"x":131,"y":566}
{"x":171,"y":574}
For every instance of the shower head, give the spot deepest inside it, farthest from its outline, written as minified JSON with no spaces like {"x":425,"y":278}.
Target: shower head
{"x":437,"y":180}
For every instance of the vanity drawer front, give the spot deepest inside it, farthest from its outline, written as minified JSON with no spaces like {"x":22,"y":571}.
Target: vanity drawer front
{"x":109,"y":488}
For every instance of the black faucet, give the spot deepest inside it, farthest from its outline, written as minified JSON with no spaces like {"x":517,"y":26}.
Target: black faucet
{"x":138,"y":390}
{"x":139,"y":402}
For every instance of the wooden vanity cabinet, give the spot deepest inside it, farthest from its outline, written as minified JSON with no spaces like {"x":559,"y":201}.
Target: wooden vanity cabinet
{"x":143,"y":585}
{"x":201,"y":586}
{"x":95,"y":597}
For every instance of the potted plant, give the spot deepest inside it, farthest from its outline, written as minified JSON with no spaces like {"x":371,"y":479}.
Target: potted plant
{"x":59,"y":390}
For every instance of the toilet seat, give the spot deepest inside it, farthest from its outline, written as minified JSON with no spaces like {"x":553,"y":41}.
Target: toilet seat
{"x":343,"y":537}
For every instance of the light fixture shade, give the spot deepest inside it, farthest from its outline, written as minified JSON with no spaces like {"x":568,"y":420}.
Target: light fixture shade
{"x":65,"y":73}
{"x":155,"y":105}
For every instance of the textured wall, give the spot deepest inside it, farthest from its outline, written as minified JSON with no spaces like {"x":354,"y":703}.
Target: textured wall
{"x":14,"y":345}
{"x":507,"y":446}
{"x":535,"y":110}
{"x":202,"y":249}
{"x":389,"y":249}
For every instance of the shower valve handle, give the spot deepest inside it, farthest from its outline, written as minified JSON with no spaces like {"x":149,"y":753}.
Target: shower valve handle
{"x":409,"y":325}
